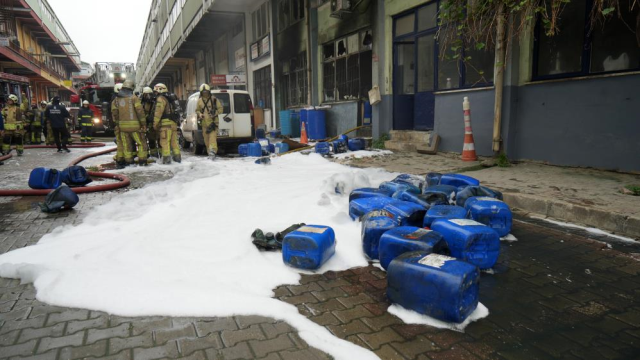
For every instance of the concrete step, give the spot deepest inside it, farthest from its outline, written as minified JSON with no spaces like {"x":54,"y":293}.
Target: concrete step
{"x":419,"y":137}
{"x":400,"y":146}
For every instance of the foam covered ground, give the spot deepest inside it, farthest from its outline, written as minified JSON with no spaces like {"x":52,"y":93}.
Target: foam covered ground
{"x":182,"y":247}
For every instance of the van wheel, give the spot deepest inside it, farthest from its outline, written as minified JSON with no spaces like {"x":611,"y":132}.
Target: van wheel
{"x":184,"y":144}
{"x":198,"y":149}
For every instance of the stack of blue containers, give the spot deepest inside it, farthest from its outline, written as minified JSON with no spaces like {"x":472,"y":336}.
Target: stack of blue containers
{"x":431,"y":244}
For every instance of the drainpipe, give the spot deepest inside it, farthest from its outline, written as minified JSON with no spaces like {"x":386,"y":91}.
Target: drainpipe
{"x":498,"y":70}
{"x":309,"y":79}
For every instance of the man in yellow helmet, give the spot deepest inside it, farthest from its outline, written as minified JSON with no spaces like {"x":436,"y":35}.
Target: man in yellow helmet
{"x":208,"y":109}
{"x":148,"y":100}
{"x":129,"y":118}
{"x":119,"y":148}
{"x":13,"y":126}
{"x":165,"y":121}
{"x":85,"y":116}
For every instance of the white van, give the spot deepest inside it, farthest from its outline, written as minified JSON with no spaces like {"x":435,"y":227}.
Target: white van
{"x":236,"y":121}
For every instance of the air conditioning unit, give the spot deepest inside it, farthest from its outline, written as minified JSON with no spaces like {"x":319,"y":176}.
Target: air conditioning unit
{"x":340,"y":8}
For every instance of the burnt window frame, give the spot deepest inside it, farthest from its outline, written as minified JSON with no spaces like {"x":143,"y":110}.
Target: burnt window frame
{"x":347,"y":80}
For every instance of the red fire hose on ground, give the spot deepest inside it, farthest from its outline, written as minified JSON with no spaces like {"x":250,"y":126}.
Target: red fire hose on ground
{"x":76,"y":146}
{"x":123,"y":180}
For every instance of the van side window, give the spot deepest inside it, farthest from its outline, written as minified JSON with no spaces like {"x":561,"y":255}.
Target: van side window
{"x":241,"y":103}
{"x":224,"y":99}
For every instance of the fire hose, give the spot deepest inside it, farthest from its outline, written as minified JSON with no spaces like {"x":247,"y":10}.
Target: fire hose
{"x":77,"y":146}
{"x":123,"y":181}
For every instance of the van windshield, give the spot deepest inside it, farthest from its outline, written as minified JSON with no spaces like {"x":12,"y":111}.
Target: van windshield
{"x":241,"y":103}
{"x":224,"y":99}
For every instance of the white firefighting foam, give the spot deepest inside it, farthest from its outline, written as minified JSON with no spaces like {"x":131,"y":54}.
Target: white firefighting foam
{"x":182,"y":247}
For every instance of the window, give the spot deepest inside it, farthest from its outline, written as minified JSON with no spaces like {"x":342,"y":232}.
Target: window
{"x":262,"y":87}
{"x":346,"y":68}
{"x":290,"y":12}
{"x":241,"y":103}
{"x":224,"y":99}
{"x":260,"y":19}
{"x":576,"y":50}
{"x":294,"y":81}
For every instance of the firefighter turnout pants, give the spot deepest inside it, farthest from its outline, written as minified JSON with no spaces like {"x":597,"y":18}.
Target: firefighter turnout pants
{"x":152,"y":137}
{"x":49,"y":139}
{"x":210,"y":139}
{"x":131,"y":139}
{"x":36,"y":134}
{"x":13,"y":137}
{"x":87,"y":133}
{"x":168,"y":137}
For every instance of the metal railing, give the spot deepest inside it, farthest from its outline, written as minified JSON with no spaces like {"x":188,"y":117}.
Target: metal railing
{"x":35,"y":61}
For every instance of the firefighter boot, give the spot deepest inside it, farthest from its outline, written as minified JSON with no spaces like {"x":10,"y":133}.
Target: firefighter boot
{"x":177,"y":158}
{"x":120,"y":164}
{"x":166,"y":159}
{"x":212,"y":154}
{"x":142,"y":162}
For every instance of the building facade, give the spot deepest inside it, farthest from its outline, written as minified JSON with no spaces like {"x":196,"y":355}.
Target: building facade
{"x":37,"y":56}
{"x":567,"y":99}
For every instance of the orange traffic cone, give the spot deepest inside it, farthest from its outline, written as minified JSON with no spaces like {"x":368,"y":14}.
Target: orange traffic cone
{"x":469,"y":148}
{"x":303,"y":135}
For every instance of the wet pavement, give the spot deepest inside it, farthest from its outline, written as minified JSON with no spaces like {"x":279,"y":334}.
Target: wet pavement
{"x":556,"y":293}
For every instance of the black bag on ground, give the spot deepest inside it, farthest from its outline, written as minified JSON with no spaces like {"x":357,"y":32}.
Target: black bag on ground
{"x":75,"y":176}
{"x":59,"y":199}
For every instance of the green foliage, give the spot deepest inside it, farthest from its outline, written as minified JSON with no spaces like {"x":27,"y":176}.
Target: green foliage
{"x":503,"y":161}
{"x":379,"y":142}
{"x":635,"y":189}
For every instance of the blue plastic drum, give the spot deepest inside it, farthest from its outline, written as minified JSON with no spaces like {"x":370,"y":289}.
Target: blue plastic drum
{"x":317,"y":123}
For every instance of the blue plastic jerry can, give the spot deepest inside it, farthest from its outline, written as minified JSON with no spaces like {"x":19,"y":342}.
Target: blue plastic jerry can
{"x":435,"y":285}
{"x":404,"y":239}
{"x":374,"y":224}
{"x":492,"y":212}
{"x":243,"y":150}
{"x":45,"y":178}
{"x":448,"y":191}
{"x":470,"y":241}
{"x":323,"y":148}
{"x":281,"y":148}
{"x":425,"y":200}
{"x":359,"y":207}
{"x":393,"y":187}
{"x":356,"y":144}
{"x":433,"y":178}
{"x":368,"y":192}
{"x":471,"y":191}
{"x":309,"y":246}
{"x":458,"y":180}
{"x":254,"y":149}
{"x":410,"y":179}
{"x":444,"y":212}
{"x":406,"y":213}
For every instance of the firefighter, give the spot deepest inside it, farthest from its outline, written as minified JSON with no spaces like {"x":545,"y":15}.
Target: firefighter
{"x":116,"y":130}
{"x":57,"y":114}
{"x":208,"y":109}
{"x":49,"y":140}
{"x":129,"y":118}
{"x":85,"y":116}
{"x":148,"y":100}
{"x":27,"y":116}
{"x":166,"y":127}
{"x":1,"y":135}
{"x":38,"y":123}
{"x":13,"y":126}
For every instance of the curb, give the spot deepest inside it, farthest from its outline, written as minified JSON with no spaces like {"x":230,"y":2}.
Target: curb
{"x":616,"y":223}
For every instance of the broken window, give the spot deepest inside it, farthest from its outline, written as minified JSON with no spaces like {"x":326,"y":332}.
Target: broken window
{"x":347,"y":68}
{"x":295,"y":82}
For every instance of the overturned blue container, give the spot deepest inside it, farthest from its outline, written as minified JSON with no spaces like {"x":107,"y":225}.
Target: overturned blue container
{"x":356,"y":144}
{"x":339,"y":146}
{"x":403,"y":239}
{"x":75,"y":175}
{"x":368,"y":192}
{"x":448,"y":191}
{"x":458,"y":180}
{"x":435,"y":285}
{"x":374,"y":224}
{"x":243,"y":149}
{"x":433,"y":178}
{"x":344,"y":138}
{"x":426,"y":200}
{"x":254,"y":149}
{"x":471,"y":191}
{"x":444,"y":212}
{"x":492,"y":212}
{"x":323,"y":148}
{"x":406,"y":213}
{"x":410,"y":179}
{"x":309,"y":246}
{"x":45,"y":178}
{"x":359,"y":207}
{"x":281,"y":148}
{"x":394,"y":187}
{"x":470,"y":241}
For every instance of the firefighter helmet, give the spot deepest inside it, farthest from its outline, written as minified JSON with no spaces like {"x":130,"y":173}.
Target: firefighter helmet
{"x":117,"y":88}
{"x":85,"y":102}
{"x":161,"y":88}
{"x":43,"y":102}
{"x":205,"y":87}
{"x":147,"y":90}
{"x":13,"y":98}
{"x":128,"y":84}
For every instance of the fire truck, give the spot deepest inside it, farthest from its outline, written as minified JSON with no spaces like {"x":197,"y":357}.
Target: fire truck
{"x":98,"y":90}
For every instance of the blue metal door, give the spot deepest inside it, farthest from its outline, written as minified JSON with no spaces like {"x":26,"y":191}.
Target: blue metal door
{"x":425,"y":101}
{"x":403,"y":86}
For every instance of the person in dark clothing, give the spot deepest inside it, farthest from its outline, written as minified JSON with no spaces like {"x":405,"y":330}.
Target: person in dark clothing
{"x":57,"y":114}
{"x":85,"y":116}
